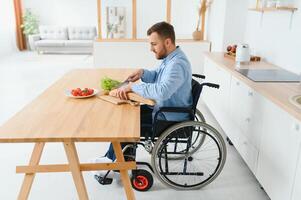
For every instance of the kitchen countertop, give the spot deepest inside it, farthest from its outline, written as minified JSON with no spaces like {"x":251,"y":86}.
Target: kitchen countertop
{"x":277,"y":92}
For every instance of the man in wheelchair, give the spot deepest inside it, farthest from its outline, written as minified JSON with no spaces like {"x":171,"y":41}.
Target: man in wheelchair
{"x":169,"y":84}
{"x":176,"y":95}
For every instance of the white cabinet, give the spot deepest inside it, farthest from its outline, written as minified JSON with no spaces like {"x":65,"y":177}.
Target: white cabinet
{"x":248,"y":152}
{"x":278,"y":152}
{"x":217,"y":99}
{"x":266,"y":137}
{"x":246,"y":110}
{"x":208,"y":94}
{"x":246,"y":119}
{"x":234,"y":107}
{"x":297,"y":186}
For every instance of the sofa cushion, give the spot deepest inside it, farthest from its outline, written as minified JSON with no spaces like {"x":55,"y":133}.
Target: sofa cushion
{"x":53,"y":33}
{"x":79,"y":43}
{"x":50,"y":43}
{"x":81,"y":33}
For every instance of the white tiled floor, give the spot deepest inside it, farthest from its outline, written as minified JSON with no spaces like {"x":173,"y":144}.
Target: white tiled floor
{"x":23,"y":76}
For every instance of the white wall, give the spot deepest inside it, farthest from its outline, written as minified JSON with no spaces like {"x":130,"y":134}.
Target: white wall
{"x":236,"y":16}
{"x":226,"y":23}
{"x":215,"y":24}
{"x":64,"y":12}
{"x":7,"y":28}
{"x":84,"y":12}
{"x":272,"y":37}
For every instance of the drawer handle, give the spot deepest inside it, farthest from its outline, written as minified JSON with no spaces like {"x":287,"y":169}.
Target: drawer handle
{"x":237,"y":83}
{"x":250,"y":94}
{"x":248,"y":120}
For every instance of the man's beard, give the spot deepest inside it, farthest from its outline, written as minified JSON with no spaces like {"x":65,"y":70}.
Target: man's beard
{"x":164,"y":54}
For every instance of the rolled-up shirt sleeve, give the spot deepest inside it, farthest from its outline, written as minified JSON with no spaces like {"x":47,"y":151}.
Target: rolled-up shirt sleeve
{"x":149,"y":76}
{"x":172,"y":79}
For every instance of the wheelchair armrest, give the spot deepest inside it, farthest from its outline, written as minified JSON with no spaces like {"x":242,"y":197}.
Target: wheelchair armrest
{"x":199,"y":76}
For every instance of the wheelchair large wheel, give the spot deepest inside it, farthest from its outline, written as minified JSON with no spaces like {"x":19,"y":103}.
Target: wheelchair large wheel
{"x":192,"y":169}
{"x":199,"y":116}
{"x":197,"y":139}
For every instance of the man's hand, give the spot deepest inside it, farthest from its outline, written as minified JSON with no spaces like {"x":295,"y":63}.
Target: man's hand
{"x":122,"y":92}
{"x":135,"y":75}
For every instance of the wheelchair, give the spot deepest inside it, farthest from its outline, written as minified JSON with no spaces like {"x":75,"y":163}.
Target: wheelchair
{"x":185,"y":155}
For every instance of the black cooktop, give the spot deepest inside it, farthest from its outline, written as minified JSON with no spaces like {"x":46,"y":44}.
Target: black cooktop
{"x":269,"y":75}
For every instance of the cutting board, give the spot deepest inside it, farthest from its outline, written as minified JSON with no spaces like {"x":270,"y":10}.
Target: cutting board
{"x":117,"y":101}
{"x":113,"y":100}
{"x":135,"y":97}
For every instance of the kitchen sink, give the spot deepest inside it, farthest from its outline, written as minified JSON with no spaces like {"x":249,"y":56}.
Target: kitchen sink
{"x":296,"y":100}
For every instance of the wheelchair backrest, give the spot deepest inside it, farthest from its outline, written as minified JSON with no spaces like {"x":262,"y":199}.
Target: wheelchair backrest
{"x":196,"y":89}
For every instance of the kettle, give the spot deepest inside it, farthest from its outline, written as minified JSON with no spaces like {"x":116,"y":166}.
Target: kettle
{"x":242,"y":54}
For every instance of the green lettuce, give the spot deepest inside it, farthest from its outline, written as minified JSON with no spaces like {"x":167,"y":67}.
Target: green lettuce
{"x":108,"y":84}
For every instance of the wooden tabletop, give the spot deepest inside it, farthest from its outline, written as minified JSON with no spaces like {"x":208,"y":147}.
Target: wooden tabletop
{"x":277,"y":92}
{"x":53,"y":117}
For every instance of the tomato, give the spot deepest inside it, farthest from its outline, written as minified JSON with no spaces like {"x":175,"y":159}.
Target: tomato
{"x":90,"y":91}
{"x":82,"y":92}
{"x":74,"y":93}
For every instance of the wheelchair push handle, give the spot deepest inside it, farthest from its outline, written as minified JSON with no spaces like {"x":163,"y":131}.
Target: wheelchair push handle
{"x":199,"y":76}
{"x":212,"y":85}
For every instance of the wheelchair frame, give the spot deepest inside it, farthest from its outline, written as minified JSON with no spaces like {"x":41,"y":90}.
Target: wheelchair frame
{"x":159,"y":141}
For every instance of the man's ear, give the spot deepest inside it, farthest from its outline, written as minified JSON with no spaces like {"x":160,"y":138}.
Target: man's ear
{"x":167,"y":42}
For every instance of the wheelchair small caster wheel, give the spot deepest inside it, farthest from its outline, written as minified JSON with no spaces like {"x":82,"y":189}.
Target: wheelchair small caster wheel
{"x":141,"y":180}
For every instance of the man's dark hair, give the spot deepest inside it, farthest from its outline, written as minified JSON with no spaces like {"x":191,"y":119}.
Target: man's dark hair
{"x":164,"y":30}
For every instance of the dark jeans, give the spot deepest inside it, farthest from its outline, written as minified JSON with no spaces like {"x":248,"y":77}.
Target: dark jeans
{"x":145,"y":131}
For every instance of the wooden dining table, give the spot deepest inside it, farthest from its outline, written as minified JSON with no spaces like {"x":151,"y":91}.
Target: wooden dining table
{"x":54,"y":117}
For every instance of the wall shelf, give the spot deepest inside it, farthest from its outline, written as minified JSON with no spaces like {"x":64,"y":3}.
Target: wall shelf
{"x":289,"y":9}
{"x":275,"y":9}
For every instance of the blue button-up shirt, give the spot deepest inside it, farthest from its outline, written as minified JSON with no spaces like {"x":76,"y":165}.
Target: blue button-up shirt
{"x":169,"y":85}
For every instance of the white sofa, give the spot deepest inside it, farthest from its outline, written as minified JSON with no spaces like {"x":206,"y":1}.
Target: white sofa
{"x":55,"y":39}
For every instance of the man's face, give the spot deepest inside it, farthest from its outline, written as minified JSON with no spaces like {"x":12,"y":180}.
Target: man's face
{"x":158,"y":45}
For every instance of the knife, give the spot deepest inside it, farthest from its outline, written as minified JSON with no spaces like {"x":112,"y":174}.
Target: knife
{"x":122,"y":84}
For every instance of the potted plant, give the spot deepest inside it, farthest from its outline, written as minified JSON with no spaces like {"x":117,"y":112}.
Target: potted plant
{"x":30,"y":25}
{"x":110,"y":33}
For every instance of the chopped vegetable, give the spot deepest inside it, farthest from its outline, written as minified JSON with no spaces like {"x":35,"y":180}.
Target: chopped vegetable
{"x":108,"y":84}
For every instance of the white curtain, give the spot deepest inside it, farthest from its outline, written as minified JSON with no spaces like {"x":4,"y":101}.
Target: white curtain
{"x":7,"y":28}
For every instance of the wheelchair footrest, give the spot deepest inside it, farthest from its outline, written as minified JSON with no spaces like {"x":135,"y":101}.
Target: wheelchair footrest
{"x":103,"y":180}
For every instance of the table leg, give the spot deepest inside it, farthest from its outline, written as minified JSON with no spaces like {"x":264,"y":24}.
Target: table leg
{"x":75,"y":170}
{"x":124,"y":173}
{"x":29,"y":177}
